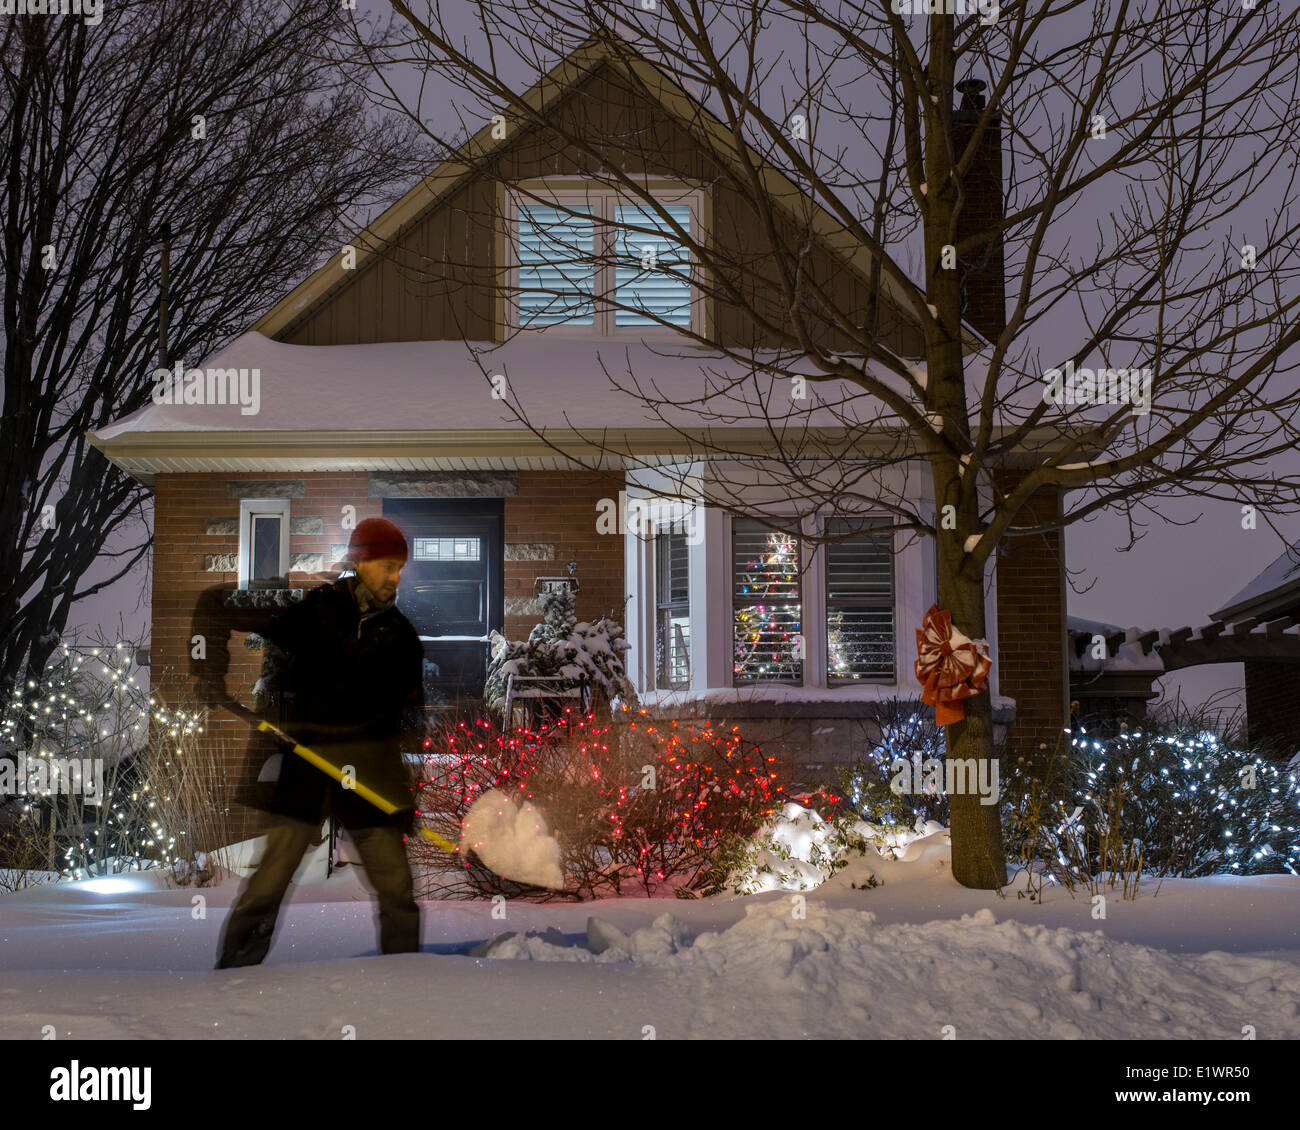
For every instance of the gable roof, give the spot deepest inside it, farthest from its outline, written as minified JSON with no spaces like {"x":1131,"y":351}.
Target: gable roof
{"x":429,"y":193}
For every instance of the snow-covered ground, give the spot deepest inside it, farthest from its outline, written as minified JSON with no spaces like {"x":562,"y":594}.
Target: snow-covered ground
{"x":1202,"y":959}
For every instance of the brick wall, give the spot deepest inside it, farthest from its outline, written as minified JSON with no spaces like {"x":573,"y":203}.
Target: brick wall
{"x":1272,"y":705}
{"x":555,"y":513}
{"x":552,"y":519}
{"x":983,"y":276}
{"x":1031,"y":627}
{"x":185,"y":507}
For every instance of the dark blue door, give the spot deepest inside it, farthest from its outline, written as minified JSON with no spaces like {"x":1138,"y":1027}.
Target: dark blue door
{"x":452,"y":588}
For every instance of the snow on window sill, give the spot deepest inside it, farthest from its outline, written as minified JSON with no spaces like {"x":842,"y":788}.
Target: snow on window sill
{"x":778,"y":692}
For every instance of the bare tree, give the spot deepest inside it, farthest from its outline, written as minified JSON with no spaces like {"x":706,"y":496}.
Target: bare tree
{"x":224,"y":125}
{"x":1148,"y":231}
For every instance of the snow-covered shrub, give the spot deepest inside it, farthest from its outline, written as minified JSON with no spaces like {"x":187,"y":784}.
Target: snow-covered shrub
{"x":633,"y":805}
{"x":563,"y":646}
{"x":197,"y":872}
{"x":800,"y":849}
{"x":795,"y":851}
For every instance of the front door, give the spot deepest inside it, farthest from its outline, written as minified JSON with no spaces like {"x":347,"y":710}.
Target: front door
{"x":452,"y":588}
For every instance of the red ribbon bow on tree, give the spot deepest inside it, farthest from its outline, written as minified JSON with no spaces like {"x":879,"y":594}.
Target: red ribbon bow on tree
{"x":950,"y":666}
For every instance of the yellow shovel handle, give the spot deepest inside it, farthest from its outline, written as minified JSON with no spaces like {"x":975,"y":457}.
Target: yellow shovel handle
{"x":357,"y":787}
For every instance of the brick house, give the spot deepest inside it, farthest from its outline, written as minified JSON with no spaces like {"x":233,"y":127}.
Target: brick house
{"x":376,"y":397}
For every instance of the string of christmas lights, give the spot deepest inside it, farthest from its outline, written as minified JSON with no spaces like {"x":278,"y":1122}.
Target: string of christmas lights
{"x":630,"y":799}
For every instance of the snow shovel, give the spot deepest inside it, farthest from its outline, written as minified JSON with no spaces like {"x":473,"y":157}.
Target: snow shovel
{"x":367,"y":794}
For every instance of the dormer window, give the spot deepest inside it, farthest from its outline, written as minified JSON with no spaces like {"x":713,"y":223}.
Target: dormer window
{"x":594,"y":262}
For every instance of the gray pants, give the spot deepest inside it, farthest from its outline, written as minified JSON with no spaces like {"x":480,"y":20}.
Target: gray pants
{"x":247,"y":934}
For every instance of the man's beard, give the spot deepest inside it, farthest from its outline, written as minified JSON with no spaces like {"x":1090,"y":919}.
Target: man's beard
{"x":372,"y":600}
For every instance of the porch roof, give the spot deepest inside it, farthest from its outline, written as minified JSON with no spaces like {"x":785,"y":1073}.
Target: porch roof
{"x":429,"y":405}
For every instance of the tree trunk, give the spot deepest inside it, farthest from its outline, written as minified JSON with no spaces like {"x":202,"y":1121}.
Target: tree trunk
{"x":977,"y":853}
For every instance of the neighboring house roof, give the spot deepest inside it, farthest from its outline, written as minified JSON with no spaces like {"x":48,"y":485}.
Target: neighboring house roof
{"x":1268,"y":637}
{"x":1276,"y":590}
{"x":1124,"y":650}
{"x":471,"y":156}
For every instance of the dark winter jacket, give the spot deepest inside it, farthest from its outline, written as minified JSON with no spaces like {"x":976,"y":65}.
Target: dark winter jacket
{"x":350,"y":688}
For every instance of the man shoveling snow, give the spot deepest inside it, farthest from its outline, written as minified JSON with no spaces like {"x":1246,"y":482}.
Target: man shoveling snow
{"x":346,"y":665}
{"x":350,"y":683}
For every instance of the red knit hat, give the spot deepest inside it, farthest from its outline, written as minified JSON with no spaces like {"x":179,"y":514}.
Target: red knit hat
{"x":374,"y":538}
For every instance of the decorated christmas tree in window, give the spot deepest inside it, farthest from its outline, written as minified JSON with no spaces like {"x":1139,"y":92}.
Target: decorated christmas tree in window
{"x":767,"y":627}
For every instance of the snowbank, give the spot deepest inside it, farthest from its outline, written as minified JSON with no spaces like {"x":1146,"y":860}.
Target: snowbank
{"x":831,"y":971}
{"x":902,"y":960}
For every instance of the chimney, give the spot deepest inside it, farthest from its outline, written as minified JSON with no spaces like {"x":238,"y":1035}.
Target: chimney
{"x":982,"y":277}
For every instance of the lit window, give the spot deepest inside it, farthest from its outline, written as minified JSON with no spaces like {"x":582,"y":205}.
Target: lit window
{"x":556,"y":267}
{"x":593,"y":244}
{"x":446,"y":549}
{"x":672,"y":612}
{"x":859,"y":602}
{"x":767,"y":621}
{"x":263,"y":542}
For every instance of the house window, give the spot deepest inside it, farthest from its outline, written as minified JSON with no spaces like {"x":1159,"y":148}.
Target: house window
{"x":651,"y":267}
{"x":672,"y":612}
{"x":767,"y":610}
{"x":263,"y":542}
{"x":557,"y":277}
{"x":596,"y":263}
{"x":859,"y":602}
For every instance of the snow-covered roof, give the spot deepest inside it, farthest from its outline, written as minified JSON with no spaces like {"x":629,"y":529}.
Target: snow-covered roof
{"x":480,"y":405}
{"x":1278,"y":584}
{"x":553,"y":381}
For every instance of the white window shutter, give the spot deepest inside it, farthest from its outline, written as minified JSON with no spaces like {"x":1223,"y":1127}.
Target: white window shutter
{"x":556,"y":266}
{"x":652,"y":274}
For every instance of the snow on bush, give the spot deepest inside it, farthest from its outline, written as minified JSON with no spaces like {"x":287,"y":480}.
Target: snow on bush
{"x":800,"y":849}
{"x":562,"y":646}
{"x":198,"y":872}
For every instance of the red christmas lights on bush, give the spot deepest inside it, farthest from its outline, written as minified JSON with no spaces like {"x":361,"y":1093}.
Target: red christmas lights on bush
{"x":631,"y":802}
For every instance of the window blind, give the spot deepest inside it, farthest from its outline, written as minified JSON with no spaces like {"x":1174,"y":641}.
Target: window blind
{"x":557,"y":278}
{"x":652,"y":268}
{"x":860,"y":604}
{"x":673,"y":621}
